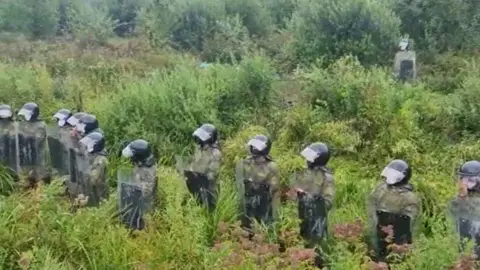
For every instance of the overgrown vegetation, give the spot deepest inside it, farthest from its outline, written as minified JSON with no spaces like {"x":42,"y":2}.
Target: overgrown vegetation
{"x":299,"y":70}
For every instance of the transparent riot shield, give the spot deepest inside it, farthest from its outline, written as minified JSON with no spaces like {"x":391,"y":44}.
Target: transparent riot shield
{"x":83,"y":184}
{"x":197,"y":182}
{"x":311,"y":207}
{"x":392,"y":229}
{"x":256,"y":199}
{"x":406,"y":70}
{"x":8,"y":146}
{"x":131,"y":200}
{"x":59,"y":158}
{"x":467,"y":220}
{"x":405,"y":66}
{"x":32,"y":145}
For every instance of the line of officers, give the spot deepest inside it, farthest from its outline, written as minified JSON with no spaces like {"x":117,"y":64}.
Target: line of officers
{"x":76,"y":146}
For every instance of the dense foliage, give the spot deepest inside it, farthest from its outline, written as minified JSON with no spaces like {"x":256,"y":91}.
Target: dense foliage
{"x":298,"y":70}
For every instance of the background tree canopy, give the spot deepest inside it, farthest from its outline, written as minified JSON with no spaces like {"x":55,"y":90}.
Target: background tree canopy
{"x":300,"y":71}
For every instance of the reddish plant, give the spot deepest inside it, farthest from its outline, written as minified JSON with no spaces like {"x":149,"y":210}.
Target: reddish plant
{"x":349,"y":232}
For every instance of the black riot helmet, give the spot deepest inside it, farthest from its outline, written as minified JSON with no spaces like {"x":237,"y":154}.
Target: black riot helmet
{"x":87,"y":124}
{"x":469,"y":174}
{"x":6,"y":112}
{"x":62,"y":116}
{"x":207,"y":134}
{"x":317,"y":155}
{"x":397,"y":172}
{"x":30,"y":112}
{"x":138,"y":151}
{"x":75,"y":118}
{"x":94,"y":142}
{"x":260,"y":145}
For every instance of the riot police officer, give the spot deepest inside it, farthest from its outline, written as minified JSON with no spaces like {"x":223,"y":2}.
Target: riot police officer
{"x":94,"y":169}
{"x":405,"y":61}
{"x":202,"y":171}
{"x":32,"y":138}
{"x":140,"y":187}
{"x":8,"y":146}
{"x":315,"y":191}
{"x":393,"y":204}
{"x":465,"y":207}
{"x":258,"y":183}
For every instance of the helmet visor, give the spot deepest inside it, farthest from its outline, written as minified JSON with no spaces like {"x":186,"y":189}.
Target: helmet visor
{"x":257,"y":144}
{"x":72,"y":121}
{"x":127,"y":152}
{"x":26,"y":113}
{"x":202,"y":134}
{"x":403,"y":45}
{"x":88,"y":143}
{"x":309,"y":154}
{"x":80,"y":128}
{"x":470,"y":181}
{"x":392,"y":176}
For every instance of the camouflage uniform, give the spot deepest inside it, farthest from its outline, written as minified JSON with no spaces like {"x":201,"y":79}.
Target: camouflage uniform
{"x":207,"y":160}
{"x":399,"y":200}
{"x":98,"y":176}
{"x":38,"y":130}
{"x":319,"y":181}
{"x":261,"y":170}
{"x":402,"y":56}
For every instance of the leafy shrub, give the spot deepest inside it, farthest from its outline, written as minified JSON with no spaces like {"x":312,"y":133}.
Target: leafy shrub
{"x":330,"y":29}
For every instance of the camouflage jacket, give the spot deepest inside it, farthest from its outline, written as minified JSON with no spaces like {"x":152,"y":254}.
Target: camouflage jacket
{"x":467,"y":207}
{"x":207,"y":160}
{"x":260,"y":170}
{"x":37,"y":130}
{"x":394,"y":199}
{"x":7,"y":127}
{"x":401,"y":56}
{"x":318,"y":181}
{"x":146,"y":175}
{"x":67,"y":138}
{"x":98,"y":175}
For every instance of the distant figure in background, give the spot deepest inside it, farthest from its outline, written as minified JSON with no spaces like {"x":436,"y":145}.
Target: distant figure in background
{"x":258,"y":183}
{"x":8,"y":141}
{"x":405,"y":66}
{"x":315,"y":191}
{"x":465,"y":207}
{"x":393,"y":209}
{"x":201,"y":170}
{"x":32,"y":142}
{"x":93,"y":168}
{"x":137,"y":187}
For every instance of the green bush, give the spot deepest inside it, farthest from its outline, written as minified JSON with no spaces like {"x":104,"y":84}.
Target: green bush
{"x":330,"y":29}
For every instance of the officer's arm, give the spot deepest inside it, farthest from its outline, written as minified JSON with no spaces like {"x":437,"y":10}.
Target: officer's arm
{"x":214,"y":166}
{"x":98,"y":171}
{"x":413,"y":207}
{"x":275,"y":188}
{"x":328,"y":190}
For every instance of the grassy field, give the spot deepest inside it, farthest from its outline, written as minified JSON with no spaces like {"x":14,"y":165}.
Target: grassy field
{"x":300,"y":71}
